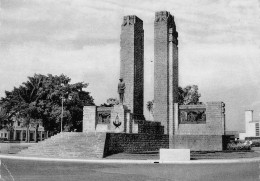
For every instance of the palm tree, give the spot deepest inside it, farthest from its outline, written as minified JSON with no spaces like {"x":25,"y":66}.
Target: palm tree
{"x":149,"y":107}
{"x":3,"y":117}
{"x":28,"y":96}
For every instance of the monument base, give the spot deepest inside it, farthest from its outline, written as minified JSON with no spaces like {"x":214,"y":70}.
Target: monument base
{"x":117,"y":119}
{"x":168,"y":155}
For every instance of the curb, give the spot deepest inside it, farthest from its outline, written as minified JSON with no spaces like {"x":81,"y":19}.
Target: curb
{"x":108,"y":161}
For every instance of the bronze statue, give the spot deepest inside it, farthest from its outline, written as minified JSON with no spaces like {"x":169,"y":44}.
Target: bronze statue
{"x":121,"y":90}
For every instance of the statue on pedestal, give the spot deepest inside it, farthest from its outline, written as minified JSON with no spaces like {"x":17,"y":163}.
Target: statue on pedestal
{"x":121,"y":90}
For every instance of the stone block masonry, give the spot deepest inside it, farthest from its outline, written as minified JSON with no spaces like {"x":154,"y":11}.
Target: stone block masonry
{"x":89,"y":118}
{"x":134,"y":143}
{"x":199,"y":142}
{"x":215,"y":120}
{"x":132,"y":62}
{"x":116,"y":119}
{"x":165,"y":68}
{"x":208,"y":135}
{"x":69,"y":145}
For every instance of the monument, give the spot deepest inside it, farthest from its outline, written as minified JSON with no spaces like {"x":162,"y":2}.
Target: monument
{"x":128,"y":115}
{"x":132,"y":62}
{"x":196,"y":127}
{"x":165,"y":68}
{"x":122,"y":128}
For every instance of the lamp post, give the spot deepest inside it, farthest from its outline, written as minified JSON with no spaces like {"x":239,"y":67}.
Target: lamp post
{"x":62,"y":102}
{"x":62,"y":99}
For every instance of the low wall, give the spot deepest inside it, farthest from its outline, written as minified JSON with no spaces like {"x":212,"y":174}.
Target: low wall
{"x":211,"y":122}
{"x":200,"y":142}
{"x":134,"y":143}
{"x":5,"y":148}
{"x":148,"y":127}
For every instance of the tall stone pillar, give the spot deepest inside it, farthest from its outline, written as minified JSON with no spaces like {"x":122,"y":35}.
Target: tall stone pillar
{"x":132,"y":63}
{"x":165,"y":68}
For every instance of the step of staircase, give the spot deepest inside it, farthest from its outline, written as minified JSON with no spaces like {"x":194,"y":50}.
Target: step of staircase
{"x":69,"y":145}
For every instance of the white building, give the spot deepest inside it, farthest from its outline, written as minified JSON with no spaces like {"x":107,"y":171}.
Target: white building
{"x":20,"y":133}
{"x":251,"y":126}
{"x":4,"y":134}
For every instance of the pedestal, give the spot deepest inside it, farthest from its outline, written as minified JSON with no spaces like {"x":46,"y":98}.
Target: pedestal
{"x":89,"y":118}
{"x":118,"y":122}
{"x":169,"y":155}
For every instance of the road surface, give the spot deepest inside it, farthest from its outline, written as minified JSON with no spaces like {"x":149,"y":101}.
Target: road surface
{"x":27,"y":170}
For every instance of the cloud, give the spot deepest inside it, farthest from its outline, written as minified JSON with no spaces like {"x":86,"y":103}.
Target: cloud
{"x":219,"y":44}
{"x":57,"y":23}
{"x":225,"y":65}
{"x":45,"y":21}
{"x":96,"y":65}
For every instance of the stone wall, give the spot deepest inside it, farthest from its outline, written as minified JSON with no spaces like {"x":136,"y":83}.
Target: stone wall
{"x":117,"y":119}
{"x":200,"y":142}
{"x":134,"y":143}
{"x":214,"y":124}
{"x":199,"y":127}
{"x":89,"y":118}
{"x":148,"y":127}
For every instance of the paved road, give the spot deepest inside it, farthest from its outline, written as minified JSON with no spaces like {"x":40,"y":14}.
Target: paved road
{"x":23,"y":170}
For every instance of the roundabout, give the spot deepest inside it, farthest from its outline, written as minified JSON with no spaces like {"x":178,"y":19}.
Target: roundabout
{"x":33,"y":168}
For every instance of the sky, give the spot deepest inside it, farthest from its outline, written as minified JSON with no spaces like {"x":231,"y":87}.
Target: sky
{"x":219,"y":46}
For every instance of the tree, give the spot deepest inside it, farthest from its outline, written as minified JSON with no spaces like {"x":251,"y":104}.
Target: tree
{"x":149,"y":107}
{"x":3,"y":118}
{"x":38,"y":101}
{"x":111,"y":102}
{"x":189,"y":95}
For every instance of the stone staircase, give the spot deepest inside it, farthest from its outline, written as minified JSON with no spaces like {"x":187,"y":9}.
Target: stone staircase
{"x":69,"y":145}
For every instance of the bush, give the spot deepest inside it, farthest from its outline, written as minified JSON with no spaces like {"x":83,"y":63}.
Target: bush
{"x":252,"y":138}
{"x":238,"y":146}
{"x":256,"y":143}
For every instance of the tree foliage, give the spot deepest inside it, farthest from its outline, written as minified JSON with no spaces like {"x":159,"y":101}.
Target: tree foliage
{"x":186,"y":96}
{"x":111,"y":102}
{"x":39,"y":100}
{"x":3,"y":118}
{"x":189,"y":95}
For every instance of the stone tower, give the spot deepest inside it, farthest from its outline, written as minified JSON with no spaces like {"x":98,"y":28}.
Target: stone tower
{"x":132,"y":62}
{"x":165,"y":68}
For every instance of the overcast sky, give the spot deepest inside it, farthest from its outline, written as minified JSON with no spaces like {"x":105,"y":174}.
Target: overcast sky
{"x":219,"y":46}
